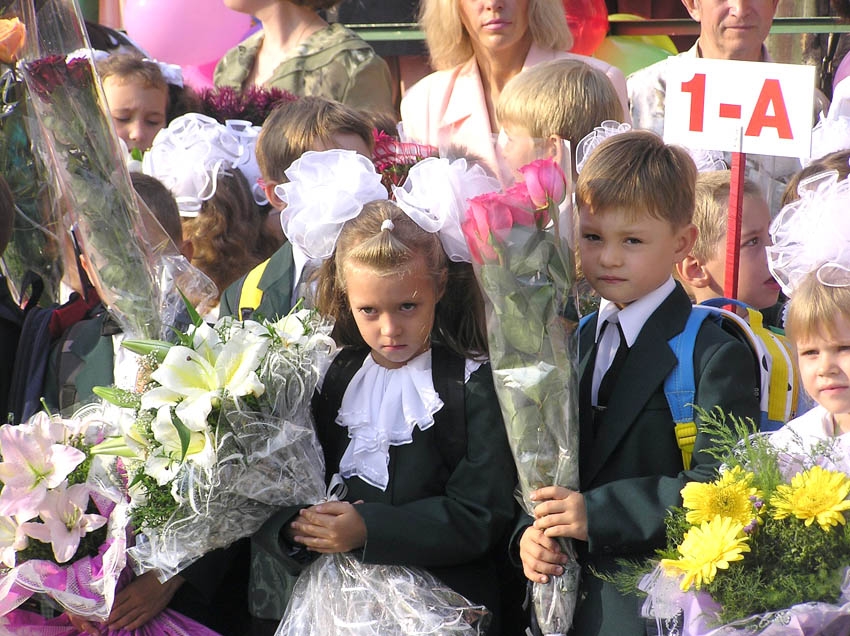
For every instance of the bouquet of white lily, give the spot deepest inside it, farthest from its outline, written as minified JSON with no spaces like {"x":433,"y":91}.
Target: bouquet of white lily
{"x":220,"y":436}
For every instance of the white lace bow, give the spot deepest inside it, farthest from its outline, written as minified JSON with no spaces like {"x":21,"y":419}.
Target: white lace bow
{"x":813,"y":234}
{"x":435,"y":195}
{"x":325,"y":189}
{"x":194,"y":149}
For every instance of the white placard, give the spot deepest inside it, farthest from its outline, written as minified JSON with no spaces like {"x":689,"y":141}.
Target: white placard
{"x":753,"y":107}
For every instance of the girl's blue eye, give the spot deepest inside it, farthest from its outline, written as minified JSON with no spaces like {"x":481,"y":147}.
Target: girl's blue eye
{"x":591,"y":237}
{"x":367,"y":310}
{"x":408,"y":306}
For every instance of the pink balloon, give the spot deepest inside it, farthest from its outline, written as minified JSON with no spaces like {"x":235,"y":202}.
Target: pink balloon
{"x":199,"y":77}
{"x":185,"y":32}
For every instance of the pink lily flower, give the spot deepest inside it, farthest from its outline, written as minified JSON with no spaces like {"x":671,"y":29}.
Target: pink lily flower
{"x":31,"y":465}
{"x":65,"y":521}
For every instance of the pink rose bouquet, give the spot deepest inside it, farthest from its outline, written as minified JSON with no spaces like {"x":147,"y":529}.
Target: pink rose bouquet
{"x":524,"y":265}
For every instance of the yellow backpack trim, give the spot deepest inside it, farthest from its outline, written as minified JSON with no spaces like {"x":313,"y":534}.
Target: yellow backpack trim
{"x":251,"y":295}
{"x":686,"y":438}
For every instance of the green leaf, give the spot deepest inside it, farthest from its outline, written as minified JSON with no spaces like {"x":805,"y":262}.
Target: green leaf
{"x":113,"y":446}
{"x":183,"y":433}
{"x":157,"y":348}
{"x":194,"y":316}
{"x":118,"y":397}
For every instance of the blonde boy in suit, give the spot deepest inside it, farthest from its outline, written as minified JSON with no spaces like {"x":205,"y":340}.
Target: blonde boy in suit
{"x":635,"y":198}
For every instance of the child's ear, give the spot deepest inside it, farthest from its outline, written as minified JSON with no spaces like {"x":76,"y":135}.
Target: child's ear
{"x":274,"y":200}
{"x":187,"y":249}
{"x":685,"y":239}
{"x":692,"y":273}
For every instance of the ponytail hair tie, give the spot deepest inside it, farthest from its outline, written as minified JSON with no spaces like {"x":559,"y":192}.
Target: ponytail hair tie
{"x":387,"y":225}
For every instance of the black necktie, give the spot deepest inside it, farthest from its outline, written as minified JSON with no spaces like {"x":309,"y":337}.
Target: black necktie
{"x":606,"y":385}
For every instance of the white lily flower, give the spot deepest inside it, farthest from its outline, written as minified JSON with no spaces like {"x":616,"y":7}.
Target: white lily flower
{"x":13,"y":539}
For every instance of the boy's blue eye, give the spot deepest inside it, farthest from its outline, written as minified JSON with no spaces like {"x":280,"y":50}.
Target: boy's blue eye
{"x":809,"y":352}
{"x":752,"y":242}
{"x":408,"y":306}
{"x":633,"y":241}
{"x":367,"y":310}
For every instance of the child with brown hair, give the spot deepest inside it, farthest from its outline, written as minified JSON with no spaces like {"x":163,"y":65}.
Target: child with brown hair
{"x":310,"y":123}
{"x":635,"y":199}
{"x":141,"y":96}
{"x":434,"y":488}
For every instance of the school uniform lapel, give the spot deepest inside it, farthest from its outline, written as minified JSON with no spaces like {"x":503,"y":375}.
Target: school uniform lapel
{"x":586,"y":347}
{"x":649,"y":362}
{"x":277,"y":280}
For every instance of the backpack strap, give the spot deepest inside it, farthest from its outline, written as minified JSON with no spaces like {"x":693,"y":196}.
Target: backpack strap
{"x":585,"y":319}
{"x":250,"y":296}
{"x":680,"y":385}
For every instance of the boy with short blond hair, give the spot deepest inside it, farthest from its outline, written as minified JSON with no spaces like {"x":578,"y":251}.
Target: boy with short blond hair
{"x":702,"y":272}
{"x":635,"y":199}
{"x":560,"y":100}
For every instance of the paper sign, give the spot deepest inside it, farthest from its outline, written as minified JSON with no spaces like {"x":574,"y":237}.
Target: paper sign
{"x":753,"y":107}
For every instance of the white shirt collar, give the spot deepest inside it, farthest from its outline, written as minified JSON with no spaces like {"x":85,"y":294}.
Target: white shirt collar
{"x":633,"y":317}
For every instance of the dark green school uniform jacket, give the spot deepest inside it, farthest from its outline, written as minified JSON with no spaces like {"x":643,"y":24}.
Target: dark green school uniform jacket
{"x":630,"y":465}
{"x":275,"y":283}
{"x":629,"y":461}
{"x":446,"y":522}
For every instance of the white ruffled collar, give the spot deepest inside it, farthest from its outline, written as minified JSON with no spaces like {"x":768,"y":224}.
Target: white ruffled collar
{"x":381,"y":407}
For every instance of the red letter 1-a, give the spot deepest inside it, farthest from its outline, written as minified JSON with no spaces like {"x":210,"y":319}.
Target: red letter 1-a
{"x":696,"y":87}
{"x":771,"y":93}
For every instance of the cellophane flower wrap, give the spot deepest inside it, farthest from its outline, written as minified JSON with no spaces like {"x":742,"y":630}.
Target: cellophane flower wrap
{"x":520,"y":245}
{"x":220,"y":436}
{"x":34,"y":245}
{"x":339,"y":594}
{"x":62,"y":531}
{"x":763,"y":549}
{"x":76,"y":140}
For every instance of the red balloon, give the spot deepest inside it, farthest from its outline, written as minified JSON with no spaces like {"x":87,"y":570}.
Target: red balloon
{"x":588,"y":22}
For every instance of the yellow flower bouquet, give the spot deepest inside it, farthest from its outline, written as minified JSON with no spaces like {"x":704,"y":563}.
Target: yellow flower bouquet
{"x":760,"y":550}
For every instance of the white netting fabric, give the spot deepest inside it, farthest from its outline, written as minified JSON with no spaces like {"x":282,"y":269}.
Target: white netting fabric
{"x":324,"y":190}
{"x":436,"y":195}
{"x":812,"y":234}
{"x":190,"y":154}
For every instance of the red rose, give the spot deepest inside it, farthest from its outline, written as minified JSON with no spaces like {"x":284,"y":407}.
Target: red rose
{"x":45,"y":74}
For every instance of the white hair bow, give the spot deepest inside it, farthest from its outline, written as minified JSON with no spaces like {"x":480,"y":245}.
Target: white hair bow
{"x":435,"y":195}
{"x":325,"y":189}
{"x":194,"y":149}
{"x":812,"y":234}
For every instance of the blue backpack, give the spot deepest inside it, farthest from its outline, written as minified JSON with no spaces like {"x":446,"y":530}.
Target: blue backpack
{"x":779,"y":385}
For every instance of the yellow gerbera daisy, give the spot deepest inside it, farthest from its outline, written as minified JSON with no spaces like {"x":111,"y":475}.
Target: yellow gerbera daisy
{"x":730,"y":496}
{"x":706,"y":548}
{"x":814,"y":495}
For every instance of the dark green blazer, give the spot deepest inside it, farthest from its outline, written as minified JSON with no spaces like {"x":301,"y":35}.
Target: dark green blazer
{"x":630,"y":465}
{"x":275,"y":283}
{"x":449,"y":523}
